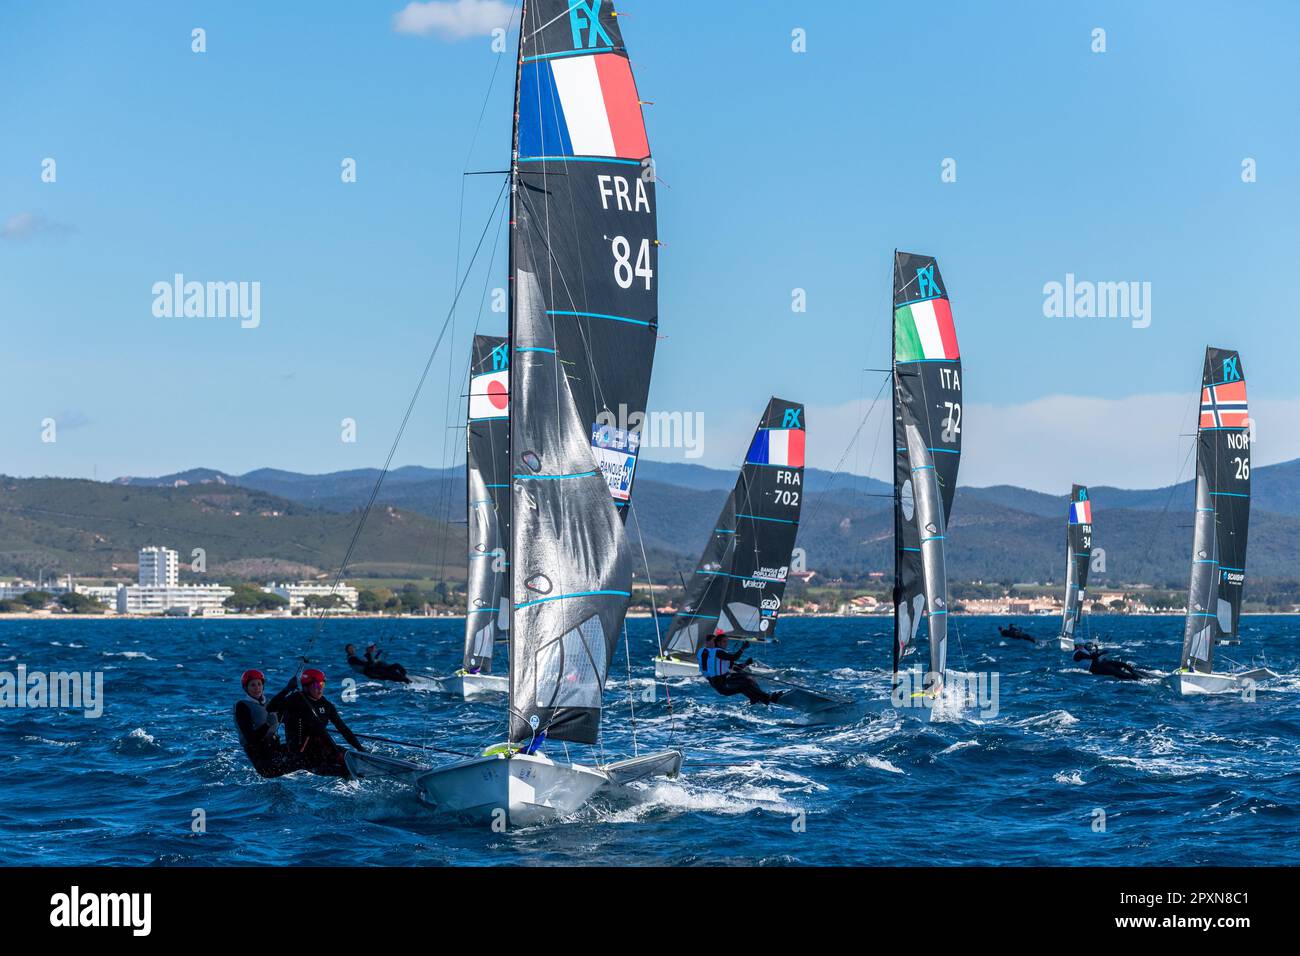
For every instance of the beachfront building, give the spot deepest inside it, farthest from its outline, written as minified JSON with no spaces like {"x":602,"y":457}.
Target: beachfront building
{"x":187,"y":600}
{"x":297,"y":594}
{"x":159,"y":567}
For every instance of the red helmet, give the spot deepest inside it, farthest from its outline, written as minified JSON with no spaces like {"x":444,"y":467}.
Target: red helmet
{"x":312,"y":676}
{"x":251,"y":675}
{"x":719,"y":633}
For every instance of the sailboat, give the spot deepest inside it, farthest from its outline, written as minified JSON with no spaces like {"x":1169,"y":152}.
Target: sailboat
{"x":1078,"y":558}
{"x":487,"y":476}
{"x":583,"y":328}
{"x":927,"y":451}
{"x":1222,"y":520}
{"x":740,"y":580}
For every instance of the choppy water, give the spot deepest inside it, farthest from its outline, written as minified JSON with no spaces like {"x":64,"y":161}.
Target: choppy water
{"x":1181,"y":781}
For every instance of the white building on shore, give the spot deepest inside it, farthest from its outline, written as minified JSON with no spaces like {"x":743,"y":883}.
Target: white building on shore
{"x":297,"y":594}
{"x":159,"y":567}
{"x":160,"y":590}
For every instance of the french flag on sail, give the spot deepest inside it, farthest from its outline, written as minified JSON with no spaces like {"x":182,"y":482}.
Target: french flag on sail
{"x":580,"y":106}
{"x":1081,"y":512}
{"x":777,"y":446}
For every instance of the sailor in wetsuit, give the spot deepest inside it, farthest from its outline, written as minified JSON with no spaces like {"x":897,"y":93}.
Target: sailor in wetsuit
{"x":259,"y":729}
{"x":306,"y":715}
{"x":1104,"y":666}
{"x":725,"y":671}
{"x":380,"y":671}
{"x":1014,"y":631}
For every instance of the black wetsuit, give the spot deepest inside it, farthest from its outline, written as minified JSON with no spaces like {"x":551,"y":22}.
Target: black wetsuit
{"x":306,"y":732}
{"x":259,"y":732}
{"x":377,"y":669}
{"x":1103,"y":666}
{"x":730,"y":679}
{"x":1016,"y":633}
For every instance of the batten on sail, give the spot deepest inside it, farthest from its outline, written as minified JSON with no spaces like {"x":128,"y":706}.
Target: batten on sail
{"x":1078,"y":559}
{"x":927,"y":452}
{"x":739,"y":583}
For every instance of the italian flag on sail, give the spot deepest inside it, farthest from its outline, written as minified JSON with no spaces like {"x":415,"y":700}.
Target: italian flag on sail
{"x":923,"y":330}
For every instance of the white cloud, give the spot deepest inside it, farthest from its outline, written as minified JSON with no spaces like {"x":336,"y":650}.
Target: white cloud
{"x":31,"y":225}
{"x":453,"y":19}
{"x":1140,"y":441}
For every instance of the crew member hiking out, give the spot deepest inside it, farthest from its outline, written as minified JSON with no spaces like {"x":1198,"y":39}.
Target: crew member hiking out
{"x":259,"y":730}
{"x":725,"y":671}
{"x":306,"y":715}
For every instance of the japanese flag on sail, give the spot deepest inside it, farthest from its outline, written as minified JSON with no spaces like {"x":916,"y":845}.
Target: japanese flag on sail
{"x":777,"y":446}
{"x":489,"y":395}
{"x":1081,"y":512}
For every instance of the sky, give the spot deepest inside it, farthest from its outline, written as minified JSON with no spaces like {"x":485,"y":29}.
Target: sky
{"x":779,"y":171}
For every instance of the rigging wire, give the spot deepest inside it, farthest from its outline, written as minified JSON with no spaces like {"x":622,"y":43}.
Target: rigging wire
{"x":392,"y":451}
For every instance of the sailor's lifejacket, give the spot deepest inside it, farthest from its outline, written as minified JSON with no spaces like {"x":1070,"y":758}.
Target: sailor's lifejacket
{"x":711,"y":665}
{"x":260,"y":715}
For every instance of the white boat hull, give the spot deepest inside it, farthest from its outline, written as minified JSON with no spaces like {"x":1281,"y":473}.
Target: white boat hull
{"x":1067,"y":643}
{"x":1195,"y":682}
{"x":368,"y":766}
{"x":672,"y":667}
{"x":524,"y":791}
{"x":466,"y":686}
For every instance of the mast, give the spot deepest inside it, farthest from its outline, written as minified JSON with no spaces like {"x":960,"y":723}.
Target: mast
{"x":927,"y":452}
{"x":1218,"y":571}
{"x":740,"y":580}
{"x":1078,"y":557}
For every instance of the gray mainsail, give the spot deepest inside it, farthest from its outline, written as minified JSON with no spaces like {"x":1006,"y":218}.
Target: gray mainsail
{"x":1078,"y":557}
{"x":1222,"y":510}
{"x":927,"y":451}
{"x":487,"y":466}
{"x":570,"y":565}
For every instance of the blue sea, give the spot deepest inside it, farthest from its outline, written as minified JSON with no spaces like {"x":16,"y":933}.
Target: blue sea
{"x":1072,"y":769}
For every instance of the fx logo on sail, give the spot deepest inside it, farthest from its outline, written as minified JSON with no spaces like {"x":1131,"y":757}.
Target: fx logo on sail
{"x":584,"y":17}
{"x":1231,"y":370}
{"x":500,"y":358}
{"x":926,"y":286}
{"x":791,"y":418}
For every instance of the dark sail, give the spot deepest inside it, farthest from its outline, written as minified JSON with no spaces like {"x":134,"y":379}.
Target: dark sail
{"x":1222,"y":510}
{"x":585,"y":219}
{"x":1078,"y":557}
{"x":740,"y":581}
{"x":927,"y":450}
{"x":571,"y":572}
{"x":584,"y":320}
{"x":487,"y":466}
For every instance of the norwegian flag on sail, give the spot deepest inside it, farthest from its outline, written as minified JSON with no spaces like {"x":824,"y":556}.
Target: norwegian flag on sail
{"x":1224,"y":406}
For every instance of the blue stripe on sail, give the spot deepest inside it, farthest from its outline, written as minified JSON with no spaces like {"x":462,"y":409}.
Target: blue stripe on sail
{"x":498,"y":486}
{"x":562,"y":597}
{"x":937,"y":613}
{"x":552,"y":56}
{"x":542,"y":127}
{"x":1205,"y":561}
{"x":1082,"y":554}
{"x":946,"y":451}
{"x":581,"y":474}
{"x":1226,"y":568}
{"x":1228,"y":494}
{"x":761,"y":518}
{"x":723,"y":531}
{"x":536,"y":348}
{"x":598,"y":315}
{"x":698,"y":615}
{"x":919,"y":361}
{"x":928,"y":298}
{"x":923,"y":468}
{"x":918,"y":550}
{"x":933,"y":537}
{"x":1201,"y":614}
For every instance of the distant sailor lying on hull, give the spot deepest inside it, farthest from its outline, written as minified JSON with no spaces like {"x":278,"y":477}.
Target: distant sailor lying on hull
{"x":725,"y":671}
{"x":1104,"y":666}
